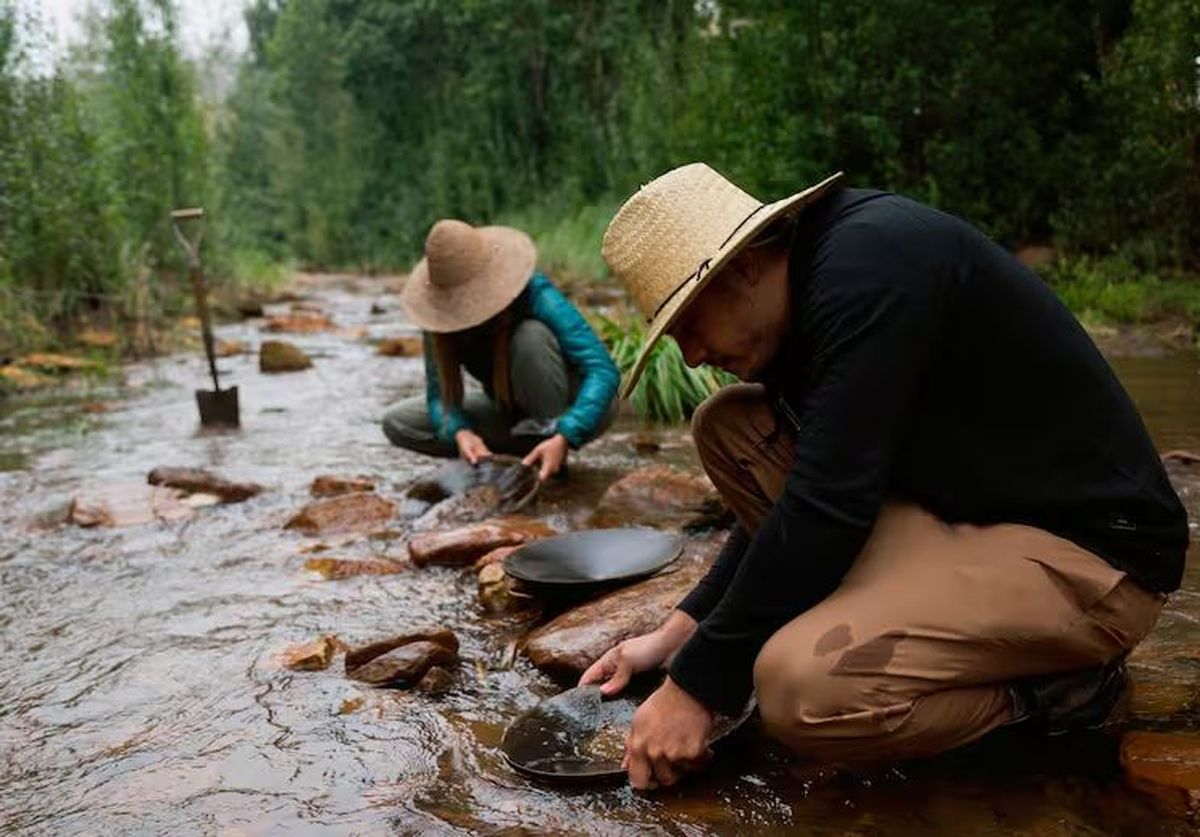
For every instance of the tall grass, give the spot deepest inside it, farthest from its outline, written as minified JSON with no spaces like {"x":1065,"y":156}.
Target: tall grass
{"x":669,"y":390}
{"x":1113,"y":290}
{"x":568,"y":240}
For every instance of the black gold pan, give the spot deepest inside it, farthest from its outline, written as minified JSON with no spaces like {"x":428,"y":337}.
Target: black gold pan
{"x":593,"y":557}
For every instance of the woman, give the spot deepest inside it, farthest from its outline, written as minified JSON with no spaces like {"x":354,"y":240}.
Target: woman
{"x":548,"y":383}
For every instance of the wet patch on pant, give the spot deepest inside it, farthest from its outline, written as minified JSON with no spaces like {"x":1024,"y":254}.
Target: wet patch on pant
{"x":834,"y":639}
{"x":871,"y":657}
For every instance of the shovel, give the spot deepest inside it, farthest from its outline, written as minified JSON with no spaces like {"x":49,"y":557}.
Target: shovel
{"x":218,"y":408}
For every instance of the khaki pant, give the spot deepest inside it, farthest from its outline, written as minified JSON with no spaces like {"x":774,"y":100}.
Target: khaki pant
{"x":913,"y":653}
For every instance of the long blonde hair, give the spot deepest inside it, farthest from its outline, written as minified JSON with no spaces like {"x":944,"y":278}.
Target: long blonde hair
{"x":447,"y":355}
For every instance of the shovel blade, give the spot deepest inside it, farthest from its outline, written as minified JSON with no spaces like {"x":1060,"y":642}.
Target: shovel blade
{"x":218,"y":408}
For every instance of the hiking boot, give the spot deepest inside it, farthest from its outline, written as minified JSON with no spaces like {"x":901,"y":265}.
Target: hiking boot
{"x":1056,"y":704}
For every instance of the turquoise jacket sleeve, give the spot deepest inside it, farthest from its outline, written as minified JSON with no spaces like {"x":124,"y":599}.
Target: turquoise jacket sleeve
{"x":584,"y":352}
{"x":445,"y":422}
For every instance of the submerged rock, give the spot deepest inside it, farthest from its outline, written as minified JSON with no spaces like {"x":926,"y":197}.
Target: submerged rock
{"x":200,"y":481}
{"x":281,"y":356}
{"x":329,"y":485}
{"x":311,"y":656}
{"x":572,"y":641}
{"x":437,"y":681}
{"x":335,"y":568}
{"x":58,"y":363}
{"x":462,"y":547}
{"x":299,"y":322}
{"x":361,"y":654}
{"x":127,"y":504}
{"x":405,"y":664}
{"x":399,"y":347}
{"x":662,"y":497}
{"x":348,"y":513}
{"x":496,"y":556}
{"x":1166,"y":766}
{"x":459,"y":493}
{"x":229,"y":348}
{"x":496,"y":593}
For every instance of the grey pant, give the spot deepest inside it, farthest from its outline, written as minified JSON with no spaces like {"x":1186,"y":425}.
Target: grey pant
{"x":542,"y":387}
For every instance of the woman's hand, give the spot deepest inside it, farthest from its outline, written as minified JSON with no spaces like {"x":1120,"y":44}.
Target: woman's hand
{"x":550,"y":454}
{"x":471,"y":447}
{"x":642,"y":653}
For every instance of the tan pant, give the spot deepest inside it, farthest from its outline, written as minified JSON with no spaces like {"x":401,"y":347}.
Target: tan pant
{"x":912,"y":654}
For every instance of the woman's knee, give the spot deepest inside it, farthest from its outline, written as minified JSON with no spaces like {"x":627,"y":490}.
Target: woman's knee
{"x":407,"y":425}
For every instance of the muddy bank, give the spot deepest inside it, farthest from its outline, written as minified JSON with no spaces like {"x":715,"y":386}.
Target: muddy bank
{"x":148,"y":693}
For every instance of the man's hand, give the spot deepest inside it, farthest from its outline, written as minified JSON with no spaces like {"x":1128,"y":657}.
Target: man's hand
{"x":551,"y":454}
{"x":669,"y":737}
{"x":471,"y":447}
{"x":642,"y":653}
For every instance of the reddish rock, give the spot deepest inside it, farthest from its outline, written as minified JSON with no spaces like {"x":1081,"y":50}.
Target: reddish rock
{"x":363,"y":654}
{"x":437,"y":681}
{"x":496,"y":591}
{"x":403,"y":665}
{"x":496,"y":556}
{"x":311,"y":656}
{"x":200,"y":481}
{"x":229,"y":348}
{"x":659,"y":496}
{"x":461,"y":547}
{"x":572,"y":641}
{"x":127,"y":504}
{"x":280,"y":356}
{"x":56,"y":363}
{"x":331,"y":486}
{"x":400,"y":347}
{"x":299,"y":322}
{"x":348,"y":513}
{"x":1166,"y":766}
{"x":1183,"y":457}
{"x":335,"y":568}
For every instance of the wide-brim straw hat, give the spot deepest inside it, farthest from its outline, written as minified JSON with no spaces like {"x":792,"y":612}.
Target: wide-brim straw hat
{"x":468,"y":275}
{"x":668,"y":241}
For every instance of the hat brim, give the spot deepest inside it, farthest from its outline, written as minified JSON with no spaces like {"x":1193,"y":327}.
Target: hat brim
{"x":443,"y":310}
{"x":683,"y":297}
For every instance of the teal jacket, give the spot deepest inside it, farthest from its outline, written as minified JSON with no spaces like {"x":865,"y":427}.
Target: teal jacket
{"x":582,"y":350}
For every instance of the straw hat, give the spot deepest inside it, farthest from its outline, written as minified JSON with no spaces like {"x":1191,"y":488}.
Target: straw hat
{"x":669,"y":240}
{"x":469,"y":275}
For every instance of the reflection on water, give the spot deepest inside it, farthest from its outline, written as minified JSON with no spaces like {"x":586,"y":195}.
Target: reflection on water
{"x":142,"y":692}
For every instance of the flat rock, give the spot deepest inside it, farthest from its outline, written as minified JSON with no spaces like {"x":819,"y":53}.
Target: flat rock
{"x":200,"y":481}
{"x":496,"y":556}
{"x":18,"y":378}
{"x":280,"y":356}
{"x":361,"y":654}
{"x":572,"y":641}
{"x":329,"y":485}
{"x":335,"y":568}
{"x":399,"y":347}
{"x":1166,"y":766}
{"x":56,"y":363}
{"x":404,"y":664}
{"x":462,"y":547}
{"x":127,"y":504}
{"x":229,"y":348}
{"x":311,"y":656}
{"x":662,"y":497}
{"x":299,"y":322}
{"x":436,"y":681}
{"x":349,"y":513}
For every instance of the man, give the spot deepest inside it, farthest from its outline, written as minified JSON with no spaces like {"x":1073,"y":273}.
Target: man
{"x":950,"y":516}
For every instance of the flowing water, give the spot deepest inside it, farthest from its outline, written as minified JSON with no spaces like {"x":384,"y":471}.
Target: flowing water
{"x":141,"y":692}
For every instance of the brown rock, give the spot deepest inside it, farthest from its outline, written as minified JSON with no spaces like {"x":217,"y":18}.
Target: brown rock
{"x":403,"y":665}
{"x":229,"y":348}
{"x":351,"y":704}
{"x":1166,"y":766}
{"x":331,"y":486}
{"x":299,"y":322}
{"x":660,"y":496}
{"x":572,"y":641}
{"x":1183,"y":457}
{"x":200,"y":481}
{"x":348,"y":513}
{"x":248,"y":308}
{"x":363,"y":654}
{"x":127,"y":504}
{"x":97,"y":338}
{"x":646,"y":443}
{"x":56,"y":363}
{"x":436,"y":681}
{"x":1036,"y":256}
{"x":496,"y":591}
{"x":280,"y":356}
{"x":311,"y":656}
{"x":400,"y":347}
{"x":461,"y":547}
{"x":496,"y":556}
{"x":335,"y":568}
{"x":96,"y":407}
{"x":14,"y":377}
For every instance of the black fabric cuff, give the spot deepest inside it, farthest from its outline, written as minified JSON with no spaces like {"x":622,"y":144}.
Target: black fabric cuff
{"x":719,"y":674}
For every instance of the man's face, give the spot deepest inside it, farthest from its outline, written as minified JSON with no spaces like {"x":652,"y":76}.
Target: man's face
{"x":737,"y":322}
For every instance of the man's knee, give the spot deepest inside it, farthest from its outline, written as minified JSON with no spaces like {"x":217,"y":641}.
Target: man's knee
{"x":725,"y":413}
{"x":797,"y":691}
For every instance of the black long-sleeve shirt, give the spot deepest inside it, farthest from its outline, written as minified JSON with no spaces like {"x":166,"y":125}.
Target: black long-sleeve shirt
{"x":925,"y":363}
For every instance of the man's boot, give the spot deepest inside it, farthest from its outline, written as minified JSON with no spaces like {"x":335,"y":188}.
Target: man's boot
{"x":1078,"y":700}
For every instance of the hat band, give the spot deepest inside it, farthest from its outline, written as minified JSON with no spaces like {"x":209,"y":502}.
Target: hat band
{"x":702,"y":268}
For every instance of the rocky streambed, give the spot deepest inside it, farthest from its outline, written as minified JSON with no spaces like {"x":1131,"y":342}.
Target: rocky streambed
{"x":266,"y":653}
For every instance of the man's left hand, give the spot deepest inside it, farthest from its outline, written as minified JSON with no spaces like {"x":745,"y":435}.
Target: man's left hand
{"x":669,"y":737}
{"x":550,"y":454}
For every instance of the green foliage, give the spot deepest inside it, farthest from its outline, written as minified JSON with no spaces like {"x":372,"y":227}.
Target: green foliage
{"x":1115,"y":290}
{"x":568,"y":240}
{"x":669,"y":390}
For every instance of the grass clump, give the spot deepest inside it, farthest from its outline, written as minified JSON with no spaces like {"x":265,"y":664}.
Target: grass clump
{"x":1114,"y":290}
{"x":669,"y":390}
{"x":568,"y":241}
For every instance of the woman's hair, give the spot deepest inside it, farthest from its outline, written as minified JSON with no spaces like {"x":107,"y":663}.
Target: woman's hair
{"x":447,"y":355}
